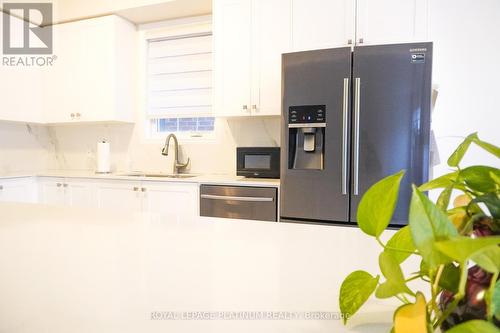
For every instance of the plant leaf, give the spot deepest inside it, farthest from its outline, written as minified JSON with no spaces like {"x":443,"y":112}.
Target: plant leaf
{"x":411,"y":317}
{"x":495,"y":301}
{"x":440,"y":182}
{"x":429,"y":224}
{"x":488,"y":259}
{"x":458,"y":154}
{"x":401,"y":240}
{"x":462,"y":248}
{"x":492,"y":202}
{"x":444,"y":198}
{"x":474,"y":326}
{"x":487,"y":146}
{"x":450,"y":278}
{"x":478,"y":178}
{"x":377,"y":205}
{"x":495,"y":178}
{"x":458,"y":216}
{"x":395,"y":283}
{"x":355,"y":291}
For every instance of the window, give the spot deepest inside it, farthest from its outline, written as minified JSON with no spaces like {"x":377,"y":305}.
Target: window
{"x":179,"y":81}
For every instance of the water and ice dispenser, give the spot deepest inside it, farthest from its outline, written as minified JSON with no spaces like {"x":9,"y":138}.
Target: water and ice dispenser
{"x":306,"y":134}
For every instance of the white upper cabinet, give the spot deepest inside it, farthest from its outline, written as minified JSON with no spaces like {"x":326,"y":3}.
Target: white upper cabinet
{"x":20,"y":86}
{"x":321,"y":24}
{"x":271,"y":38}
{"x":94,"y":75}
{"x":391,"y":21}
{"x":249,"y":38}
{"x":232,"y":52}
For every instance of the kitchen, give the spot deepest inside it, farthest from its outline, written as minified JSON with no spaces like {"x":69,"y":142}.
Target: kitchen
{"x":100,"y":208}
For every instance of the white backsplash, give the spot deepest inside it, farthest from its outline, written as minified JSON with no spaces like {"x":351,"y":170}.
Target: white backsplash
{"x":73,"y":147}
{"x":25,"y":148}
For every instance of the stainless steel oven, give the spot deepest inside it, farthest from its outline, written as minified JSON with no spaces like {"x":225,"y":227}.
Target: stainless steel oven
{"x":239,"y":202}
{"x":258,"y":162}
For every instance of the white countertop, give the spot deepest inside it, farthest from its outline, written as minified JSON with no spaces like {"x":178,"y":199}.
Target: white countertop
{"x":201,"y":179}
{"x":66,"y":270}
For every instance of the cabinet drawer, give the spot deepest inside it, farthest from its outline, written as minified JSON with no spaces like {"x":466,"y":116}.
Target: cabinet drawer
{"x":239,"y":202}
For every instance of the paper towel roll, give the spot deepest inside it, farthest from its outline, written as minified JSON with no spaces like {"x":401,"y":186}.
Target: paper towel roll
{"x":103,"y":157}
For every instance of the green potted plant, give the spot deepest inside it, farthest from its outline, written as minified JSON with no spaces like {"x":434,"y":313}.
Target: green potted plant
{"x":458,"y":248}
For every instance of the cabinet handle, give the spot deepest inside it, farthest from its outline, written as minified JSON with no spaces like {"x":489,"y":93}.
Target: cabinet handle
{"x":1,"y":187}
{"x":361,"y":41}
{"x":143,"y":189}
{"x":78,"y":115}
{"x":72,"y":115}
{"x":65,"y":185}
{"x":58,"y":184}
{"x":349,"y":42}
{"x":136,"y":189}
{"x":357,"y":91}
{"x":254,"y":107}
{"x":245,"y":107}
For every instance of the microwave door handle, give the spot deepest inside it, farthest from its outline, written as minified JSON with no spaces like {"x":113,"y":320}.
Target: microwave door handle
{"x":236,"y":198}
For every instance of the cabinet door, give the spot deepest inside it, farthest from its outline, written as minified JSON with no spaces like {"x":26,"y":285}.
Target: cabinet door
{"x":51,"y":191}
{"x":232,"y":55}
{"x":391,"y":21}
{"x":271,"y":37}
{"x":18,"y":190}
{"x":19,"y":82}
{"x":79,"y":194}
{"x":176,"y":200}
{"x":97,"y":69}
{"x":63,"y":84}
{"x":119,"y":195}
{"x":320,"y":24}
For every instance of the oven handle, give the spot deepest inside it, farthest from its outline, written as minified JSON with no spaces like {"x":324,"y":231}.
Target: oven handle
{"x":234,"y":198}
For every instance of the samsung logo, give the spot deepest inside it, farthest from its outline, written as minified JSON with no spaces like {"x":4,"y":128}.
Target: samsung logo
{"x":424,"y":49}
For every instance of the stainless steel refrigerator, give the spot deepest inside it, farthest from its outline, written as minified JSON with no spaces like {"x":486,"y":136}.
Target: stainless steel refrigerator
{"x":351,"y":116}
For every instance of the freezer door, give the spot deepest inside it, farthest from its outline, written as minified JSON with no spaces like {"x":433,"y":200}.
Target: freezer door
{"x":391,"y":119}
{"x":314,"y":186}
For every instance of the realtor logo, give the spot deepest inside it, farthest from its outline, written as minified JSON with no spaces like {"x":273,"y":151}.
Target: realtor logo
{"x":20,"y":36}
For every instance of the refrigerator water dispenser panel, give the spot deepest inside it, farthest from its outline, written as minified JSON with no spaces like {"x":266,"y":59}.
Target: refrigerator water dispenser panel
{"x":306,"y":125}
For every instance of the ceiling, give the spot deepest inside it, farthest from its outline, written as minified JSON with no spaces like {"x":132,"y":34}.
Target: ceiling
{"x":136,"y":11}
{"x":166,"y":10}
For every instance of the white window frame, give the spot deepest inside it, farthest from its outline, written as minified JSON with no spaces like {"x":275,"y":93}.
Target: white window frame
{"x":165,"y":30}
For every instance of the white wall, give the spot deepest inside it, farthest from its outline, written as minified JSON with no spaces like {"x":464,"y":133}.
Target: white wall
{"x":466,"y":73}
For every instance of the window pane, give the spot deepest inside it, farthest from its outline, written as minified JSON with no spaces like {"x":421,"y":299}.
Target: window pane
{"x":169,"y":125}
{"x":179,"y":81}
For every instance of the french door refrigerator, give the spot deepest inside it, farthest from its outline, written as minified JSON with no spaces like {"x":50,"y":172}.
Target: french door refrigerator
{"x":351,"y":116}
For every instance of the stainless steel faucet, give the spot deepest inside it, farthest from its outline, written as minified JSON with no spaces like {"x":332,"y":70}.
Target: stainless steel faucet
{"x":177,"y":165}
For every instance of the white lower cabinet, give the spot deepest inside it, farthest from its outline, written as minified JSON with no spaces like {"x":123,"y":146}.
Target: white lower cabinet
{"x":172,"y":199}
{"x":178,"y":200}
{"x":51,"y":191}
{"x":18,"y":190}
{"x":79,"y":193}
{"x":175,"y":199}
{"x":61,"y":191}
{"x":120,"y":195}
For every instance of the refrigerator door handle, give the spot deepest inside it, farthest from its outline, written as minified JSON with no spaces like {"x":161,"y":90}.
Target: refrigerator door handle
{"x":345,"y":123}
{"x":357,"y":89}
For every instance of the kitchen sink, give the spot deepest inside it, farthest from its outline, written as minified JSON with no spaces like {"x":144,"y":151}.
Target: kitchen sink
{"x":160,"y":175}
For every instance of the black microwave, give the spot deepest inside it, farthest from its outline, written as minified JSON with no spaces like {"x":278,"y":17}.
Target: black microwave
{"x":258,"y":162}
